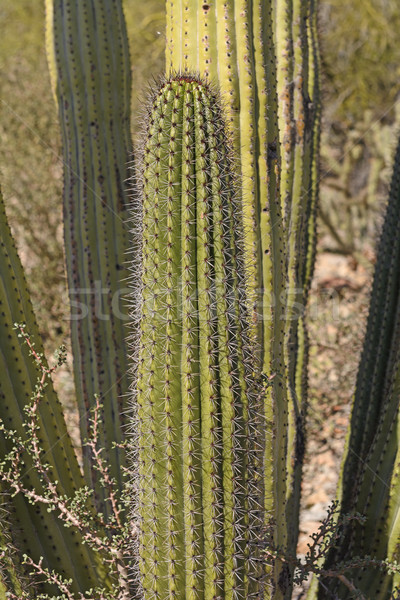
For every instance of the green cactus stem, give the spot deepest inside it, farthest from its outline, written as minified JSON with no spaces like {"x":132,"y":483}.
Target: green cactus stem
{"x":199,"y":502}
{"x":12,"y":579}
{"x":36,"y":532}
{"x":264,"y":57}
{"x":369,"y":482}
{"x":227,"y":42}
{"x":89,"y":62}
{"x":300,"y":134}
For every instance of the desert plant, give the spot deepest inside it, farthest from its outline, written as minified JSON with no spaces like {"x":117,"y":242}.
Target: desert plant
{"x":369,"y":480}
{"x":89,"y":64}
{"x":35,"y":530}
{"x":198,"y":501}
{"x":219,"y":426}
{"x":264,"y":56}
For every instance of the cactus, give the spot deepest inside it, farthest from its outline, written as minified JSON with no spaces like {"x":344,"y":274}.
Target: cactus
{"x":12,"y":580}
{"x":89,"y":61}
{"x":220,"y":352}
{"x":369,"y":481}
{"x":197,"y":495}
{"x":264,"y":56}
{"x":300,"y":181}
{"x":36,"y":531}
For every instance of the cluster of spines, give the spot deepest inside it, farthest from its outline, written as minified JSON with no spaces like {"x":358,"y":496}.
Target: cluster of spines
{"x":37,"y":532}
{"x":369,"y":482}
{"x":197,"y":515}
{"x":89,"y":60}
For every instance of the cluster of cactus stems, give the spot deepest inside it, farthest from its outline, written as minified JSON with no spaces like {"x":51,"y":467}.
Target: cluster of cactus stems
{"x":223,"y":252}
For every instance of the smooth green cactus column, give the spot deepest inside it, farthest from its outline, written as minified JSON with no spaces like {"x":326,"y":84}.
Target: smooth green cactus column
{"x":35,"y":531}
{"x":198,"y":496}
{"x":370,"y":477}
{"x":89,"y":62}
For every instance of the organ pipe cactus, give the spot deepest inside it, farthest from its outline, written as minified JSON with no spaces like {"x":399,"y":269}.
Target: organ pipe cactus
{"x":220,"y":351}
{"x":370,"y":476}
{"x":198,"y":495}
{"x":89,"y":61}
{"x":36,"y":531}
{"x":264,"y":56}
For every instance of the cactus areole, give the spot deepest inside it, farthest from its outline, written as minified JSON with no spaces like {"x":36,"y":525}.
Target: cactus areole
{"x":197,"y":504}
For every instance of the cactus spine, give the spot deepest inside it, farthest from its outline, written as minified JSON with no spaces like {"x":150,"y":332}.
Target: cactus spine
{"x":370,"y":475}
{"x":89,"y":61}
{"x":264,"y":56}
{"x":37,"y":532}
{"x":197,"y":501}
{"x":12,"y":580}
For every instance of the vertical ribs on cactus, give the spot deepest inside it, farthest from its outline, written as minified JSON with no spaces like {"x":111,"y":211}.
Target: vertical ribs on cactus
{"x":199,"y":496}
{"x":89,"y":60}
{"x":370,"y":475}
{"x":264,"y":56}
{"x":37,"y":532}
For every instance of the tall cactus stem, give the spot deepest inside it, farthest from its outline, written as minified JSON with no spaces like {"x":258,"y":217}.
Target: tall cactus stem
{"x":196,"y":404}
{"x":369,"y":481}
{"x":88,"y":45}
{"x":258,"y":50}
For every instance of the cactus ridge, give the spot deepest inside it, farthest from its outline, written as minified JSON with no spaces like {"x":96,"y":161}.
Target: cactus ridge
{"x":198,"y":499}
{"x":89,"y":57}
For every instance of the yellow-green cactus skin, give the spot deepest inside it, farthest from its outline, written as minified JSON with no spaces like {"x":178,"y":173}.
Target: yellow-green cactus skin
{"x":199,"y":498}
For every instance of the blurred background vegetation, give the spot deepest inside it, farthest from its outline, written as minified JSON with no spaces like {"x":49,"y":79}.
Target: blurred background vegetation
{"x":361,"y":116}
